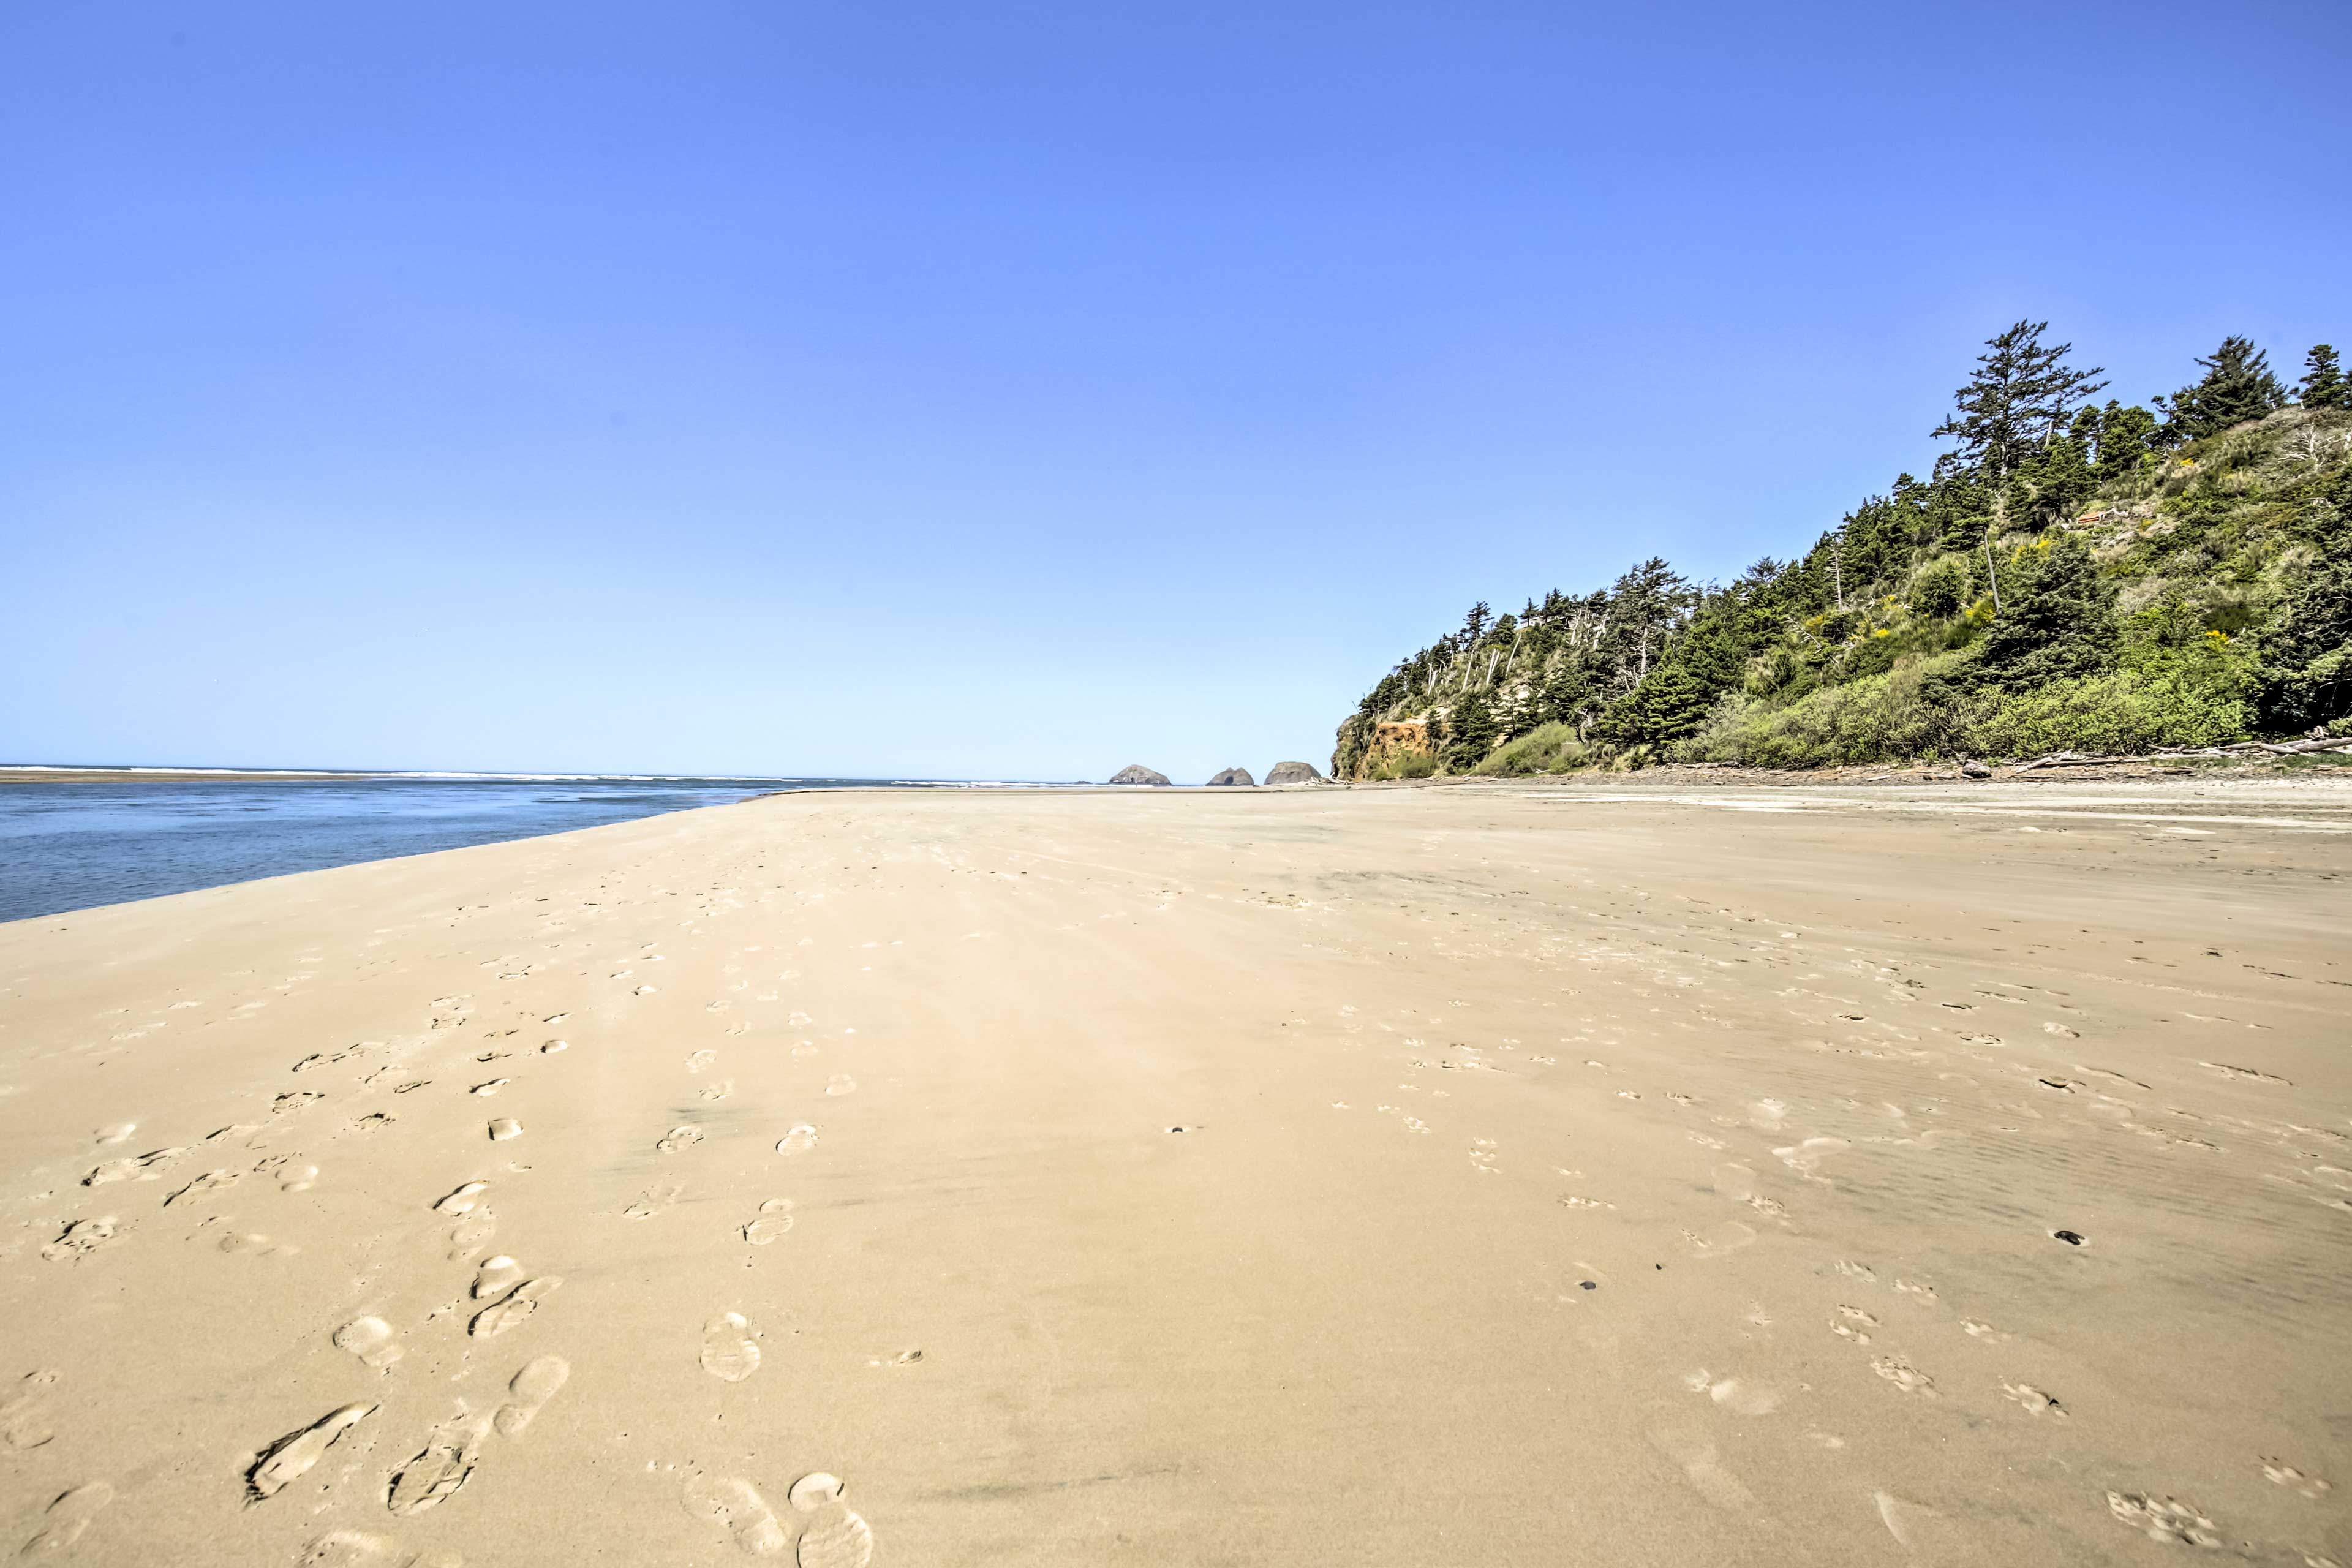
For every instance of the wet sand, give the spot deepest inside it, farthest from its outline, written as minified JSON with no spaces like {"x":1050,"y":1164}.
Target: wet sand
{"x":1492,"y":1174}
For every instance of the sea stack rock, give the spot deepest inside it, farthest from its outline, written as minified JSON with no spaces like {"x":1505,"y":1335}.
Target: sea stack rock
{"x":1236,"y":776}
{"x":1293,"y":772}
{"x":1137,"y":774}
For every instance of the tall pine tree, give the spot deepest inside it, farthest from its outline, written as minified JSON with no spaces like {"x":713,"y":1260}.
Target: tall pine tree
{"x":2022,"y":392}
{"x":2322,"y":385}
{"x":2125,"y":436}
{"x":2237,"y":386}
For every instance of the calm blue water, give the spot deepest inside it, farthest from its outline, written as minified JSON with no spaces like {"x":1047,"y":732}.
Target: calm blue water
{"x":72,"y":846}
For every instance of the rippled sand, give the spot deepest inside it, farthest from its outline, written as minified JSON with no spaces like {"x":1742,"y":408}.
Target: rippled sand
{"x":1499,"y":1174}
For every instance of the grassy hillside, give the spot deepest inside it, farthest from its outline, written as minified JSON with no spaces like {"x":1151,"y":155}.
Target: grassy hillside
{"x":2096,"y":576}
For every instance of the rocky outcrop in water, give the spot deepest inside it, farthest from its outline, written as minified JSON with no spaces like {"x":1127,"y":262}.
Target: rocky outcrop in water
{"x":1235,"y":776}
{"x":1293,"y":772}
{"x":1137,"y":774}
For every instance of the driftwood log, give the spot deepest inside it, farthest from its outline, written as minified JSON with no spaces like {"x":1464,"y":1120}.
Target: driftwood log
{"x":2242,"y":749}
{"x":2322,"y":743}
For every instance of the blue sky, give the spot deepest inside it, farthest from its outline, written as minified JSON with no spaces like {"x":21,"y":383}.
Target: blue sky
{"x":1024,"y":390}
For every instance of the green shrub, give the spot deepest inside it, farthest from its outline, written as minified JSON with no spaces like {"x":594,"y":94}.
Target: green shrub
{"x":1412,"y":764}
{"x":2125,"y":710}
{"x":1876,"y":716}
{"x":1552,"y":748}
{"x":1942,"y":589}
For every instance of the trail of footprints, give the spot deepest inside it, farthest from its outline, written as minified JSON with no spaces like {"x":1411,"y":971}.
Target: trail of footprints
{"x":1812,"y":1159}
{"x":502,"y":1298}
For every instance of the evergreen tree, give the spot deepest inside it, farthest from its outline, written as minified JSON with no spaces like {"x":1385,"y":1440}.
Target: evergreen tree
{"x":2020,"y":395}
{"x":2307,"y":652}
{"x":1941,"y":589}
{"x":1646,"y":607}
{"x":2322,"y":385}
{"x":2237,"y":386}
{"x":2125,"y":436}
{"x":2057,"y":619}
{"x":1471,"y":733}
{"x":2066,"y":479}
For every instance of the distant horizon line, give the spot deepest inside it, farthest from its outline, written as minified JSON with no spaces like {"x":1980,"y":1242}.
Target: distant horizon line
{"x":456,"y":775}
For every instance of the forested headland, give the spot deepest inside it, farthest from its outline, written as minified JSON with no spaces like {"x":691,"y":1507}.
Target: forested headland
{"x":2075,"y":574}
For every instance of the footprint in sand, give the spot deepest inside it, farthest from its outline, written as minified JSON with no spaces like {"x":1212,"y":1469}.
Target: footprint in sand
{"x":357,"y":1549}
{"x":119,"y":1132}
{"x":290,"y":1175}
{"x":491,"y":1088}
{"x":66,"y":1517}
{"x":432,"y":1475}
{"x":290,"y":1456}
{"x":81,"y":1238}
{"x":678,"y":1137}
{"x":210,"y":1182}
{"x":2280,"y":1473}
{"x":1853,"y":1323}
{"x":655,"y":1200}
{"x":729,"y":1352}
{"x":2034,"y":1400}
{"x":253,"y":1243}
{"x":799,"y":1141}
{"x":510,"y":1310}
{"x":841,"y":1083}
{"x":833,"y":1537}
{"x":504,"y":1128}
{"x":1806,"y":1158}
{"x":775,"y":1219}
{"x":2164,"y":1518}
{"x":137,"y":1168}
{"x":553,"y":1047}
{"x":496,"y":1274}
{"x":701,"y":1060}
{"x":1721,"y":1240}
{"x":532,"y":1388}
{"x":465,"y":1200}
{"x":720,"y":1091}
{"x":1918,"y":1289}
{"x":25,"y":1422}
{"x":371,"y":1340}
{"x":1735,"y":1394}
{"x":1903,"y":1376}
{"x":736,"y":1507}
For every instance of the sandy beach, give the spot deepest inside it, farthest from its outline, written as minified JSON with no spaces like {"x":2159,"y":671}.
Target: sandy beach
{"x":1479,"y":1175}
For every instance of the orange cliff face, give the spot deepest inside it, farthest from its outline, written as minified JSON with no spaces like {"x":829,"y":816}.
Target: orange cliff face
{"x":1392,"y":741}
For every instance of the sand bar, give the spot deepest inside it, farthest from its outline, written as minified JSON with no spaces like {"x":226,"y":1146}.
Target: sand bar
{"x":1494,"y":1174}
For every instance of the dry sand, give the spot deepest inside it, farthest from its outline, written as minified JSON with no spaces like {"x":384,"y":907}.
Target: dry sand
{"x":1463,"y":1176}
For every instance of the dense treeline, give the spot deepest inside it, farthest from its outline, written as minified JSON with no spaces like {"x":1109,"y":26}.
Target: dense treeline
{"x":2075,"y":573}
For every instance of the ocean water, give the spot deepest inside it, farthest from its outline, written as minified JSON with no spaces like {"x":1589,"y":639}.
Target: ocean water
{"x":75,"y":845}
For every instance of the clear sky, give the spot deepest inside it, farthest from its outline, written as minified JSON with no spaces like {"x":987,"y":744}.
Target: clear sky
{"x":1024,"y":390}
